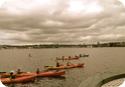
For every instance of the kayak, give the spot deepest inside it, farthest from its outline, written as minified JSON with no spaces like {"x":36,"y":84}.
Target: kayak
{"x":65,"y":66}
{"x":51,"y":73}
{"x":40,"y":74}
{"x":6,"y":75}
{"x":44,"y":74}
{"x":72,"y":58}
{"x":85,"y":55}
{"x":23,"y":79}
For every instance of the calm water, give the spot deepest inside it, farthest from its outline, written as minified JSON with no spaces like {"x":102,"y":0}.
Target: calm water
{"x":101,"y":60}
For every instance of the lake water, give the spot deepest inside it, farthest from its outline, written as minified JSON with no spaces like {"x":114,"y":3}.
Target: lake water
{"x":101,"y":60}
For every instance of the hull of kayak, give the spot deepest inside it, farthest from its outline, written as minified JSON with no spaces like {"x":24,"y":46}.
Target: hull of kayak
{"x":75,"y":58}
{"x":23,"y":79}
{"x":51,"y":74}
{"x":45,"y":74}
{"x":86,"y":55}
{"x":41,"y":74}
{"x":6,"y":75}
{"x":66,"y":67}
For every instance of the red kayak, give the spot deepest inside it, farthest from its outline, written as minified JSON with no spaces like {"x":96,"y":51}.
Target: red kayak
{"x":68,"y":58}
{"x":65,"y":66}
{"x":23,"y":79}
{"x":51,"y":73}
{"x":40,"y":74}
{"x":45,"y":74}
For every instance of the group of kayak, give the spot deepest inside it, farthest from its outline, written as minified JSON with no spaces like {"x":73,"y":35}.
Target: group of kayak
{"x":72,"y":58}
{"x":23,"y":77}
{"x":50,"y":71}
{"x":65,"y":66}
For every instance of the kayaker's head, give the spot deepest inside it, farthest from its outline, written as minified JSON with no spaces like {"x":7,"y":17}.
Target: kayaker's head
{"x":12,"y":72}
{"x":37,"y":70}
{"x":69,"y":56}
{"x":18,"y":69}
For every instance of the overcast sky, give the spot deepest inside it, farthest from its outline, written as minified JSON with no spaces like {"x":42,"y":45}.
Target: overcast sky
{"x":61,"y":21}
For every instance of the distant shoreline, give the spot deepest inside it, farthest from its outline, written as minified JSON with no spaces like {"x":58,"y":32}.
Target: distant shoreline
{"x":110,"y":44}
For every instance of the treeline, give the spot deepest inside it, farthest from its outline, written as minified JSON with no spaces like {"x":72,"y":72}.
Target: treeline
{"x":109,"y":44}
{"x":98,"y":44}
{"x":40,"y":46}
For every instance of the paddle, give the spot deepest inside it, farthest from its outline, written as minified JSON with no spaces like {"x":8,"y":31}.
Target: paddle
{"x":48,"y":66}
{"x":2,"y":72}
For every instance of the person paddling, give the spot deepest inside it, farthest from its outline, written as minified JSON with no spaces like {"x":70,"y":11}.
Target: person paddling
{"x":76,"y":56}
{"x":12,"y":76}
{"x":80,"y":55}
{"x":63,"y":58}
{"x":37,"y":71}
{"x":69,"y":57}
{"x":57,"y":64}
{"x":19,"y":71}
{"x":57,"y":58}
{"x":30,"y":55}
{"x":68,"y":63}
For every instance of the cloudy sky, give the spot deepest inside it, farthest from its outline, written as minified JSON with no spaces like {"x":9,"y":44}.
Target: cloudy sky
{"x":61,"y":21}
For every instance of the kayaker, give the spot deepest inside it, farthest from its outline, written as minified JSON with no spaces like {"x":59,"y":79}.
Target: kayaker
{"x":56,"y":58}
{"x":63,"y":57}
{"x":57,"y":64}
{"x":12,"y":76}
{"x":37,"y":71}
{"x":69,"y":57}
{"x":76,"y":56}
{"x":80,"y":55}
{"x":30,"y":55}
{"x":18,"y":71}
{"x":68,"y":63}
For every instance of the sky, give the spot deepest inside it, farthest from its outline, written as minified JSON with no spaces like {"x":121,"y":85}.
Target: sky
{"x":61,"y":21}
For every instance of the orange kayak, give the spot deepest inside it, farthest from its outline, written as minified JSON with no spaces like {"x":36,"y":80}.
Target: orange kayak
{"x":6,"y":75}
{"x":85,"y":55}
{"x":65,"y":66}
{"x":44,"y":74}
{"x":41,"y":74}
{"x":23,"y":79}
{"x":51,"y":73}
{"x":72,"y":58}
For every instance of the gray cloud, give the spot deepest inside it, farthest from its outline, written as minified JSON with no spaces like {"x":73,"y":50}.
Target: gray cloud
{"x":46,"y":22}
